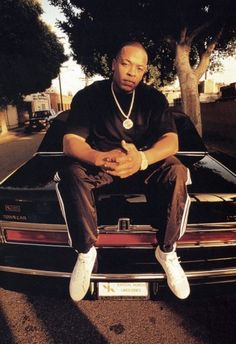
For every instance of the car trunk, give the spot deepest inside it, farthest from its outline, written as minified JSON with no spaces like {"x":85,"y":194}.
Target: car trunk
{"x":29,"y":195}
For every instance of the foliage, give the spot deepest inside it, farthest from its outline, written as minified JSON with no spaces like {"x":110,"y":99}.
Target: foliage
{"x":96,"y":29}
{"x":31,"y":54}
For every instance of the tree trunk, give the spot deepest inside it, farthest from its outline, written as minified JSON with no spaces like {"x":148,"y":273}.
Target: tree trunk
{"x":188,"y":80}
{"x":3,"y":125}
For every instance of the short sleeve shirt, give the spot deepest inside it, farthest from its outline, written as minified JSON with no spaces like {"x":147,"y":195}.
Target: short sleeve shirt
{"x":96,"y":117}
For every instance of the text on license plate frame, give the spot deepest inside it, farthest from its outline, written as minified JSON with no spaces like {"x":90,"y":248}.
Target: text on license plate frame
{"x":123,"y":290}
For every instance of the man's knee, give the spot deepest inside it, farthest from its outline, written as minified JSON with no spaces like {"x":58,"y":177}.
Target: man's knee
{"x":171,"y":170}
{"x":176,"y":171}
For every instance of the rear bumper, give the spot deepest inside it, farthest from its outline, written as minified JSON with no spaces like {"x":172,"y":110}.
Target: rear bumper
{"x":204,"y":276}
{"x":202,"y":265}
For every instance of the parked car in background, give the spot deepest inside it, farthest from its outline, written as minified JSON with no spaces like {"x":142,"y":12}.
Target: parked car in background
{"x":34,"y":238}
{"x":40,"y":120}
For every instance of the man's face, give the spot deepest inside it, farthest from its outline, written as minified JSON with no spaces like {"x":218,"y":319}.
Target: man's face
{"x":129,"y":68}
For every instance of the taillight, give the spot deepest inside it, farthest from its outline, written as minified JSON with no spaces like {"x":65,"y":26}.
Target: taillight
{"x":35,"y":237}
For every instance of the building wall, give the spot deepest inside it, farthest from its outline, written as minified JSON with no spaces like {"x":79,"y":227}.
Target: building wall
{"x":39,"y":101}
{"x":56,"y":102}
{"x":8,"y":118}
{"x":219,"y":118}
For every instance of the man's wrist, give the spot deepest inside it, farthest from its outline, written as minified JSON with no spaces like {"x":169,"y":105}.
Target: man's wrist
{"x":144,"y":161}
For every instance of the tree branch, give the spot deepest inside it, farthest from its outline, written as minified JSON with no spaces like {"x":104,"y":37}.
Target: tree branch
{"x":205,"y":56}
{"x":217,"y":36}
{"x":183,"y":34}
{"x":199,"y":29}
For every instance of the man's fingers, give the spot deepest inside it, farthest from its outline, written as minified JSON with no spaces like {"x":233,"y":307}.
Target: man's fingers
{"x":126,"y":146}
{"x":123,"y":159}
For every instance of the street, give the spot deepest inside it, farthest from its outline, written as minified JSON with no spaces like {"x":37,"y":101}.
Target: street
{"x":39,"y":311}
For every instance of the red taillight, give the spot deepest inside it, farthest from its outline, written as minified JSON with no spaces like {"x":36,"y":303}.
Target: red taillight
{"x":121,"y":239}
{"x":36,"y":237}
{"x":126,"y":239}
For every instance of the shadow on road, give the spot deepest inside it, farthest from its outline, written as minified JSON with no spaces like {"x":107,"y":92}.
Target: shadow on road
{"x":57,"y":316}
{"x":207,"y":315}
{"x":6,"y":334}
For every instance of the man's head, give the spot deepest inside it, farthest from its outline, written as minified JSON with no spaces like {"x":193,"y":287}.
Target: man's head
{"x":129,"y":66}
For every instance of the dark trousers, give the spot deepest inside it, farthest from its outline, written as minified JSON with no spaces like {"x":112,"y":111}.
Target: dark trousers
{"x":165,"y":187}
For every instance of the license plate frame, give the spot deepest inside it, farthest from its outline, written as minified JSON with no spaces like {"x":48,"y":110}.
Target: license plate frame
{"x":123,"y":290}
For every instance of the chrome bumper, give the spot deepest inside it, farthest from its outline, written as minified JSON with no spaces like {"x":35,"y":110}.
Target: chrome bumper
{"x":207,"y":275}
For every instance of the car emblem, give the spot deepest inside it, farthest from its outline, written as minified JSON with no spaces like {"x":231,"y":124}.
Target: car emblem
{"x":13,"y":208}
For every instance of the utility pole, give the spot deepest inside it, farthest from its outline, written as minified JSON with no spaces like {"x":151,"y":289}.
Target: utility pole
{"x":59,"y":78}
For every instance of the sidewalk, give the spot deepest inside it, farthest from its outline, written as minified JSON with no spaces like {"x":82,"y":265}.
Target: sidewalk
{"x":12,"y":134}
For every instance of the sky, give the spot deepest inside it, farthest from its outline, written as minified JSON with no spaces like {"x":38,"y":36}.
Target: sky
{"x":72,"y":77}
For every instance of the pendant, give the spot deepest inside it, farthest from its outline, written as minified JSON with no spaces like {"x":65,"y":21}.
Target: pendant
{"x":128,"y":124}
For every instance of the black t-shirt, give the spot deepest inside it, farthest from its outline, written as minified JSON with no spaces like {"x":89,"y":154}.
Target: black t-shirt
{"x":95,"y":116}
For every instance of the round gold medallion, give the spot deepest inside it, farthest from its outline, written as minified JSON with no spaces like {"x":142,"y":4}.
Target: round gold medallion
{"x":128,"y":124}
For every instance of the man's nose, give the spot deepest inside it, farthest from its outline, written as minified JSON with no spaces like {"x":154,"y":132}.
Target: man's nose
{"x":132,"y":71}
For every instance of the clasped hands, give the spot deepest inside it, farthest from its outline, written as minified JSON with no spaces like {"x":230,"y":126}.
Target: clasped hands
{"x":121,"y":162}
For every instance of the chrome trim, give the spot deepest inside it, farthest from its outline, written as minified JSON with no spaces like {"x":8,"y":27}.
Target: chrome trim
{"x":32,"y":226}
{"x":191,"y":228}
{"x":140,"y":228}
{"x":188,"y":153}
{"x":122,"y":277}
{"x":34,"y":272}
{"x":49,"y":153}
{"x":212,"y":227}
{"x":192,"y":153}
{"x":161,"y":276}
{"x":179,"y":245}
{"x":132,"y":229}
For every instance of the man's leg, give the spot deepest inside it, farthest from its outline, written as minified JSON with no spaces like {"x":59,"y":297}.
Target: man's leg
{"x":169,"y":201}
{"x":75,"y":185}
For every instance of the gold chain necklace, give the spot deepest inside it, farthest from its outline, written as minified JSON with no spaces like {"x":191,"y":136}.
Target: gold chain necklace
{"x":128,"y":123}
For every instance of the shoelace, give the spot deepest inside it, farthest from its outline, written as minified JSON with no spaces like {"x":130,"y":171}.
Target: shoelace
{"x":83,"y":260}
{"x":174,"y":267}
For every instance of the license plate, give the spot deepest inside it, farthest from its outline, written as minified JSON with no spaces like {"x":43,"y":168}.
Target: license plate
{"x":123,"y":289}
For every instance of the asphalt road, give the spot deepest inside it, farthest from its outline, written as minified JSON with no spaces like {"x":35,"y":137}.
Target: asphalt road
{"x":38,"y":310}
{"x":16,"y":148}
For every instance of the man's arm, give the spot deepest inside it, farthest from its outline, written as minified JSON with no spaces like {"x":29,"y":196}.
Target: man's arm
{"x":75,"y":146}
{"x":166,"y":146}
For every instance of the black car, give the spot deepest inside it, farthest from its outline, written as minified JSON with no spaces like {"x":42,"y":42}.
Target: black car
{"x":34,"y":239}
{"x":40,"y":120}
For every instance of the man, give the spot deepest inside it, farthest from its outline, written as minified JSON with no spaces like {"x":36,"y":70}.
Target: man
{"x":122,"y":129}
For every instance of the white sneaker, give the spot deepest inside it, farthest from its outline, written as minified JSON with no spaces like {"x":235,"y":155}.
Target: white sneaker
{"x":176,"y":278}
{"x":80,"y":277}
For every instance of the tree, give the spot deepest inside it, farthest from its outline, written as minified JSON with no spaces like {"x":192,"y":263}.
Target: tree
{"x":183,"y":37}
{"x":31,"y":54}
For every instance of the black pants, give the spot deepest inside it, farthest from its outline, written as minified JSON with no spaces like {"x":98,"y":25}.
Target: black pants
{"x":166,"y":193}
